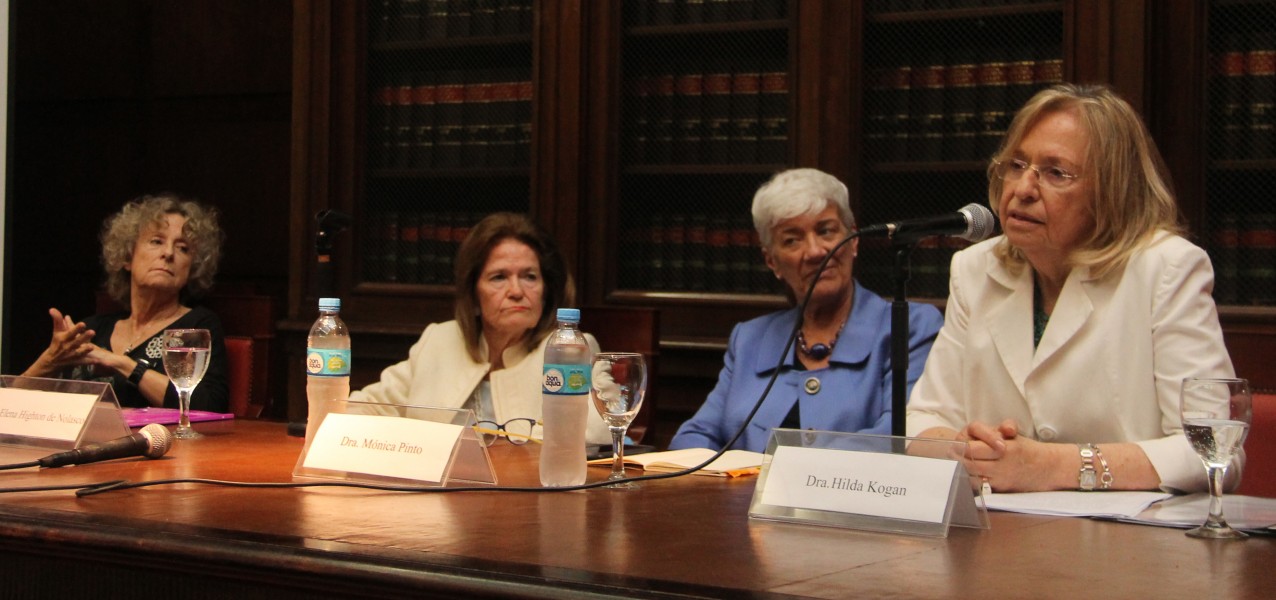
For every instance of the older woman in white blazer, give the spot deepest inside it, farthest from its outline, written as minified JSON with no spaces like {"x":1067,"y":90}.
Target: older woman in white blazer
{"x":1066,"y":339}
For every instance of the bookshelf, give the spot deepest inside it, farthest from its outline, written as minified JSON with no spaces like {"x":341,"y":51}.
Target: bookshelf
{"x":640,"y":151}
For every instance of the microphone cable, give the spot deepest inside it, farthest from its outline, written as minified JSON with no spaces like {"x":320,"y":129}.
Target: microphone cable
{"x":83,"y":490}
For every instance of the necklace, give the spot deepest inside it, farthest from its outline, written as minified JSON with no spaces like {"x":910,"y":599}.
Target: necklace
{"x":819,"y":351}
{"x":133,"y":329}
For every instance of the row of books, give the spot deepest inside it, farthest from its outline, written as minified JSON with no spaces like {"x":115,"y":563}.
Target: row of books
{"x":413,"y":20}
{"x":415,"y":247}
{"x":439,"y":120}
{"x":714,"y":117}
{"x":680,"y":12}
{"x":695,"y":252}
{"x":881,"y":6}
{"x":951,"y":108}
{"x":1244,"y":256}
{"x":1243,"y":97}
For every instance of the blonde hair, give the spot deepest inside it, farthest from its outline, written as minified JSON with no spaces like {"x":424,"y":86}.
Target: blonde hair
{"x":1132,"y":195}
{"x":121,"y":230}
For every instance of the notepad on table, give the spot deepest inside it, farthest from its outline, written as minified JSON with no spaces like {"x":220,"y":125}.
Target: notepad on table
{"x":732,"y":463}
{"x":137,"y":417}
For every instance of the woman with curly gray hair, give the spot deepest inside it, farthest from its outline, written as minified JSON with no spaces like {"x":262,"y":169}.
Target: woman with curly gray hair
{"x":159,"y":252}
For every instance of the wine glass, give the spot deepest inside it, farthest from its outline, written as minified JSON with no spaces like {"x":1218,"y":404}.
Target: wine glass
{"x":618,"y":382}
{"x":1216,"y":415}
{"x":186,"y":353}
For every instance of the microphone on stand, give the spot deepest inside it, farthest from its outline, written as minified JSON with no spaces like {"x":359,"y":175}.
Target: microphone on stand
{"x":151,"y":441}
{"x":973,"y":222}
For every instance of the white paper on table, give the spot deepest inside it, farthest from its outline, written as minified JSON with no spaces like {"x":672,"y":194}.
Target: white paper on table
{"x":1076,"y":504}
{"x":1241,"y":512}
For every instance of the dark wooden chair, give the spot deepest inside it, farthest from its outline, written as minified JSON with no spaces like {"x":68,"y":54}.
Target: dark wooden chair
{"x":629,"y":329}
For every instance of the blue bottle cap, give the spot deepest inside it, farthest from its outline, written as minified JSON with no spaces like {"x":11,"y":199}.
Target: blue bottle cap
{"x":330,"y":304}
{"x":569,"y":315}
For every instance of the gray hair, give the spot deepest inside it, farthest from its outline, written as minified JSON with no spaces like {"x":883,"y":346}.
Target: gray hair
{"x":798,"y":192}
{"x":121,"y":230}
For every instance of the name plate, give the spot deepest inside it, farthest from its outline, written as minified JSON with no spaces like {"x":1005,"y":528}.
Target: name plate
{"x":43,"y":414}
{"x":866,"y":483}
{"x":394,"y":447}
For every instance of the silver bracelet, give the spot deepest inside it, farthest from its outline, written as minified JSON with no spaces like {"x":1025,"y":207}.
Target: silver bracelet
{"x":1105,"y":480}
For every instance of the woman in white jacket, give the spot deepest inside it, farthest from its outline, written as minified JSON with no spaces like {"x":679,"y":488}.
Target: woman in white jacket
{"x":510,"y":282}
{"x":1065,"y":339}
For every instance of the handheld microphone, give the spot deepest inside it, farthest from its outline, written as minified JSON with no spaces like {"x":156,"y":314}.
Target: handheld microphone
{"x":151,"y":441}
{"x":973,"y":222}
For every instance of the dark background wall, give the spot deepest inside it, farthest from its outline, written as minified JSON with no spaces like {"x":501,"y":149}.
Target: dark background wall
{"x":111,"y":100}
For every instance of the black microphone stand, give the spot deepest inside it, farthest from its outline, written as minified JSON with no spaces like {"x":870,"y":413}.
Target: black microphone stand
{"x":899,"y":337}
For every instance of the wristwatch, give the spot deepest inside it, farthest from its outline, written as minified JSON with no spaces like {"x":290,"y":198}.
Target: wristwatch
{"x":142,"y":367}
{"x":1088,"y":478}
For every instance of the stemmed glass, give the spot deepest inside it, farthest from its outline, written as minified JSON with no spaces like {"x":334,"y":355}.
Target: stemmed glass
{"x":186,"y":353}
{"x":1216,"y":415}
{"x":618,"y":382}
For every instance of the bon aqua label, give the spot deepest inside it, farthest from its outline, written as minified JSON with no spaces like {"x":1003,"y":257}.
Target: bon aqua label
{"x":565,"y":380}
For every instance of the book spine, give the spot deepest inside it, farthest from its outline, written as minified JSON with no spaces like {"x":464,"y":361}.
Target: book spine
{"x":483,"y":21}
{"x":503,"y":110}
{"x":898,"y":123}
{"x":450,"y":120}
{"x":637,"y":119}
{"x":1020,"y":78}
{"x":409,"y":248}
{"x":508,"y":15}
{"x":926,"y":109}
{"x":403,"y":126}
{"x":389,"y":270}
{"x":962,"y":107}
{"x":717,"y":116}
{"x":660,"y":144}
{"x":478,"y":123}
{"x":689,"y":102}
{"x":676,"y":251}
{"x":427,"y":236}
{"x":745,"y":87}
{"x":434,"y":19}
{"x":380,"y":16}
{"x":407,"y":23}
{"x":424,"y":100}
{"x":382,"y":124}
{"x":1229,"y":97}
{"x":718,"y":242}
{"x":656,"y":277}
{"x":773,"y":117}
{"x":741,"y":253}
{"x":697,"y":251}
{"x":1260,"y":72}
{"x":459,"y":18}
{"x":993,"y":116}
{"x":523,"y":116}
{"x":443,"y":251}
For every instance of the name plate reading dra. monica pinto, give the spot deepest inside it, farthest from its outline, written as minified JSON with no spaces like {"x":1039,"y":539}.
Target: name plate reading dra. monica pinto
{"x":383,"y":446}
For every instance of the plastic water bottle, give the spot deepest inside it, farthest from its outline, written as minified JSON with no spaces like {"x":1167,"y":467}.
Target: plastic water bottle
{"x":565,"y":402}
{"x":327,"y":364}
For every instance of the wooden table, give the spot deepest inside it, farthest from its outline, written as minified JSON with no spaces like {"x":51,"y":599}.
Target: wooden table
{"x":685,"y":537}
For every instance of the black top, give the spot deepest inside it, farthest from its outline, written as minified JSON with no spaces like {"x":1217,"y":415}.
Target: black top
{"x":212,"y":393}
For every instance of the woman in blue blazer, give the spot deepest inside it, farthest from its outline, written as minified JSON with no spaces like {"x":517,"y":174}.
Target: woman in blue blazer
{"x":838,"y":375}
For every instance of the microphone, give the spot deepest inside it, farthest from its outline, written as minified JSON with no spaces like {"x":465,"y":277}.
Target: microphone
{"x":973,"y":222}
{"x":151,"y":441}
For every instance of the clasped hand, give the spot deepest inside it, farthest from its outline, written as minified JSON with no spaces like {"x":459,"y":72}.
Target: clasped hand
{"x":1008,"y":461}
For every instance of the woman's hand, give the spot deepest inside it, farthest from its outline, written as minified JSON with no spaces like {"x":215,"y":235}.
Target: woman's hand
{"x":70,"y":345}
{"x":1010,"y":463}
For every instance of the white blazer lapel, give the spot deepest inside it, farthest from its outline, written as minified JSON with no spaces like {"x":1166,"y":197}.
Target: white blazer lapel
{"x":1010,"y":322}
{"x":1071,"y":311}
